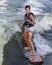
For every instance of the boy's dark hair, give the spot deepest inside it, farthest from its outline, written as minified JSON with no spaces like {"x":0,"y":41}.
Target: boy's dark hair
{"x":27,"y":6}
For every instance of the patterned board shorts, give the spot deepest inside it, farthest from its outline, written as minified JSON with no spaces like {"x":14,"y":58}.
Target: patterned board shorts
{"x":29,"y":29}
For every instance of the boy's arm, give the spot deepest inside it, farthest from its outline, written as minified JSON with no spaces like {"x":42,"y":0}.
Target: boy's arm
{"x":33,"y":20}
{"x":20,"y":24}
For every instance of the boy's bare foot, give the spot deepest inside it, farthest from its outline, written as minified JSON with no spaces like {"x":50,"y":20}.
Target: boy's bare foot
{"x":27,"y":48}
{"x":33,"y":54}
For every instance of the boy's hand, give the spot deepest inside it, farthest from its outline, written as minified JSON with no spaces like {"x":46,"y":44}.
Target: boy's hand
{"x":31,"y":23}
{"x":20,"y":24}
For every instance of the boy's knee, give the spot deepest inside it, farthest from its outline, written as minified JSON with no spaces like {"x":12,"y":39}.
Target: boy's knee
{"x":29,"y":40}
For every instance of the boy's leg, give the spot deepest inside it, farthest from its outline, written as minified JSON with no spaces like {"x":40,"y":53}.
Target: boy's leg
{"x":26,"y":41}
{"x":30,"y":34}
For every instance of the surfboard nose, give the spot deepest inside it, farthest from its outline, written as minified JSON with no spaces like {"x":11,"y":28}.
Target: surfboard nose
{"x":36,"y":60}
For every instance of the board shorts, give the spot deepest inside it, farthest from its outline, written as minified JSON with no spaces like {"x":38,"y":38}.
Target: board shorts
{"x":29,"y":29}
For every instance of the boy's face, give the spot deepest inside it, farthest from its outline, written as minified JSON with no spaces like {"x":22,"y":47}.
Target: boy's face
{"x":27,"y":10}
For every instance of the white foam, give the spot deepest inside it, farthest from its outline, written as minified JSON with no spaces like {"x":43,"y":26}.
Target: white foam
{"x":2,"y":6}
{"x":44,"y":24}
{"x":6,"y":32}
{"x":38,"y":6}
{"x":2,"y":2}
{"x":42,"y":44}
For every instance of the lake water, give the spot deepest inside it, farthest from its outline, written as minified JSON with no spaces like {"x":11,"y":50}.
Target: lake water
{"x":12,"y":11}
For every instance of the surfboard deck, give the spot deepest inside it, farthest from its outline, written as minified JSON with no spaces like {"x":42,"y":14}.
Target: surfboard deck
{"x":34,"y":59}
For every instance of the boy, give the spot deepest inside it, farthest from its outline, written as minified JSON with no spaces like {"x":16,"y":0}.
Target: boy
{"x":28,"y":33}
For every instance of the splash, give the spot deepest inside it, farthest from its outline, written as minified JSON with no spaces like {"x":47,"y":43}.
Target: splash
{"x":6,"y":32}
{"x":8,"y":28}
{"x":40,"y":42}
{"x":40,"y":6}
{"x":44,"y":24}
